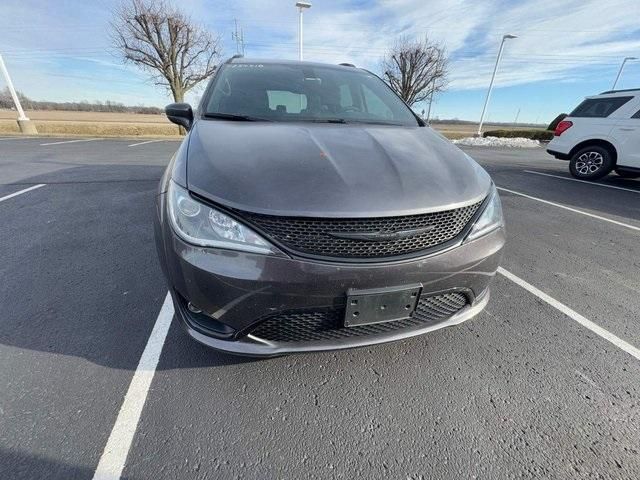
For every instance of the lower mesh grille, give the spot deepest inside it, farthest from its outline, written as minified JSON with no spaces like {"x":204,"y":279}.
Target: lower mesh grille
{"x":327,"y":324}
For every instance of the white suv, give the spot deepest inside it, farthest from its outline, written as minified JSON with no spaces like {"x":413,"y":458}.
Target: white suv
{"x":600,"y":135}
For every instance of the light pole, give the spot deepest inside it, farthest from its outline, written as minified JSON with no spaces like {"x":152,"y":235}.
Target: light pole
{"x":493,"y":76}
{"x":26,"y":126}
{"x":620,"y":71}
{"x":301,"y":6}
{"x":433,"y":87}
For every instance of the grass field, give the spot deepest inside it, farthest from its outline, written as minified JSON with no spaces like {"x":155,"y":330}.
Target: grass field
{"x":56,"y":122}
{"x":104,"y":124}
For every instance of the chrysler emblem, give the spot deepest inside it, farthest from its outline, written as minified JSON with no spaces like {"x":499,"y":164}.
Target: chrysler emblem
{"x":382,"y":236}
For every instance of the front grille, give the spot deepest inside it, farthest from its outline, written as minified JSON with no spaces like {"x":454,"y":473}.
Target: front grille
{"x":314,"y":235}
{"x":305,"y":326}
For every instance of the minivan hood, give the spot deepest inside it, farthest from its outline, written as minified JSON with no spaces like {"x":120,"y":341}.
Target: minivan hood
{"x":330,"y":170}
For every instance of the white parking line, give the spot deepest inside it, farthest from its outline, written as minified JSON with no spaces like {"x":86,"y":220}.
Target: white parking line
{"x":144,"y":143}
{"x":13,"y":138}
{"x":594,"y":327}
{"x":583,"y":181}
{"x":70,"y":141}
{"x":604,"y":219}
{"x":20,"y":192}
{"x":117,"y":448}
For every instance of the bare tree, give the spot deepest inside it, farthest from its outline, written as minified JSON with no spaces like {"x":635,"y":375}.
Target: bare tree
{"x":415,"y":69}
{"x":161,"y":39}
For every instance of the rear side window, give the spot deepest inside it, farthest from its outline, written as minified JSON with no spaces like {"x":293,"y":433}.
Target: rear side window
{"x":599,"y":107}
{"x":375,"y":105}
{"x":636,"y":115}
{"x":285,"y":101}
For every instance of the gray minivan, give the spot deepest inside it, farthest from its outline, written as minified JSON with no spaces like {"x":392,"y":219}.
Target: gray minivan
{"x":308,"y":208}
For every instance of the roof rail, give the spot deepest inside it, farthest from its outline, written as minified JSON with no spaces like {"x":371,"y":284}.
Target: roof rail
{"x":618,"y":91}
{"x":348,"y":65}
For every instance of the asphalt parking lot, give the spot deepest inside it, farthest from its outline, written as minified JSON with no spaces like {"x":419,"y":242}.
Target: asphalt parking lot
{"x":545,"y":383}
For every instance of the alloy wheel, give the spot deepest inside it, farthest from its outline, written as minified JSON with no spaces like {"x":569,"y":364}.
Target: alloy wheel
{"x":589,"y":163}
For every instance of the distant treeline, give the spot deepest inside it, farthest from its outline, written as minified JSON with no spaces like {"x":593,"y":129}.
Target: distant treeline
{"x":456,"y":121}
{"x":452,"y":121}
{"x":83,"y":106}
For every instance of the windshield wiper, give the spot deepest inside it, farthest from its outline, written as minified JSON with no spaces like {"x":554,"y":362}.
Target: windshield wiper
{"x":329,"y":120}
{"x":378,"y":122}
{"x":238,"y":118}
{"x":355,"y":120}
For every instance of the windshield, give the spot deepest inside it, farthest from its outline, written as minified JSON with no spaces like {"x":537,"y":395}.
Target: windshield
{"x":298,"y":93}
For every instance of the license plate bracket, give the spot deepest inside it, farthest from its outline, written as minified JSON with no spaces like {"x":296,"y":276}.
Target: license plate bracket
{"x":379,"y":305}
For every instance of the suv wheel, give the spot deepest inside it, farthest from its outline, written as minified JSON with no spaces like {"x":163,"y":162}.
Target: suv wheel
{"x":591,"y":163}
{"x":626,"y":174}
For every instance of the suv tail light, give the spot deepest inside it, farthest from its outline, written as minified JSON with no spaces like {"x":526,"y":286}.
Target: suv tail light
{"x":562,"y":127}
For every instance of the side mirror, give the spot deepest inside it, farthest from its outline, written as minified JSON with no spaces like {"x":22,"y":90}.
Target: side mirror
{"x":180,"y":114}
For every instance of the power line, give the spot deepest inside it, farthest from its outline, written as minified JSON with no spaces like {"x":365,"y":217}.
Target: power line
{"x":92,"y":54}
{"x":550,"y":57}
{"x":473,"y":53}
{"x":87,"y":54}
{"x":36,"y":49}
{"x":448,"y":13}
{"x":108,"y":80}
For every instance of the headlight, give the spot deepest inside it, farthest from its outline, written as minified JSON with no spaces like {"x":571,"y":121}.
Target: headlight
{"x":490,"y":219}
{"x":202,"y":225}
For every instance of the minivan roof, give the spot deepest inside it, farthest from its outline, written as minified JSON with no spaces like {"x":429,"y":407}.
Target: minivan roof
{"x":237,"y":59}
{"x":620,"y":91}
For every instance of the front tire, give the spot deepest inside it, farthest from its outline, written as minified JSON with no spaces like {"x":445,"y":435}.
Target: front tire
{"x":591,"y":163}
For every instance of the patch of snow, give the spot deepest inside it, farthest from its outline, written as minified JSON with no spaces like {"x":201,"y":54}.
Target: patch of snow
{"x":517,"y":142}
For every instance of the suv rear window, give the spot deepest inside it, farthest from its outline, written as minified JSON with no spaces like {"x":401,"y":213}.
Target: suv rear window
{"x":599,"y":107}
{"x":636,"y":115}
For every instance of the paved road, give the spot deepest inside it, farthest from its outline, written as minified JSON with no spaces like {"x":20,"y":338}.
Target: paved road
{"x":522,"y":391}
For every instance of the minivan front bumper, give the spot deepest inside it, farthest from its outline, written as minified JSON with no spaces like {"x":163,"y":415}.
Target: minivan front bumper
{"x":221,"y":295}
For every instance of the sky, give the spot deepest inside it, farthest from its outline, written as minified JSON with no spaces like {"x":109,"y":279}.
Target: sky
{"x":565,"y":50}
